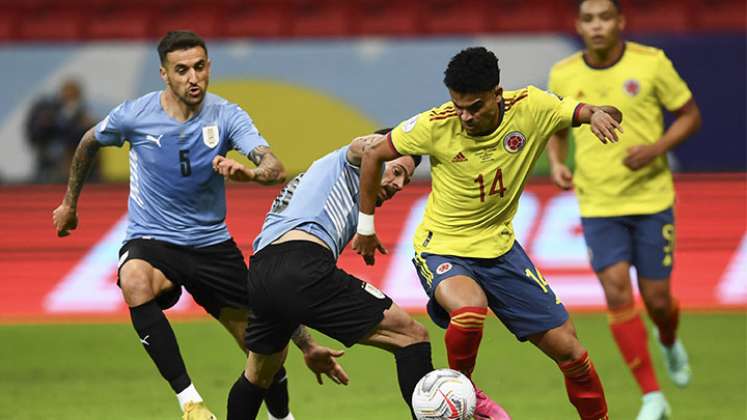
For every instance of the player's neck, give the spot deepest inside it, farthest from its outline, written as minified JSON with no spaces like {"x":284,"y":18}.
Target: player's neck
{"x":603,"y":58}
{"x":176,"y":108}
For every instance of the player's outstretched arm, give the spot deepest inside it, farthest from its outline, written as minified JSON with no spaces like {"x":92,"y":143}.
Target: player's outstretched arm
{"x":358,"y":147}
{"x":65,"y":217}
{"x":687,"y":122}
{"x":557,"y":151}
{"x":320,"y":359}
{"x":604,"y":120}
{"x":269,"y":170}
{"x":365,"y":242}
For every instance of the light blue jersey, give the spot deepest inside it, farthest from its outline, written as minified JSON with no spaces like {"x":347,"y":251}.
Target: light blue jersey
{"x":323,"y":201}
{"x":175,"y":196}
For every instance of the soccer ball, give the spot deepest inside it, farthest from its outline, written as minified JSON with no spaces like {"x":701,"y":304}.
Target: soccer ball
{"x":444,"y":394}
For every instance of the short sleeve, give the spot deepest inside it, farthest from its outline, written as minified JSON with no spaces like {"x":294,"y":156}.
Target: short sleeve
{"x":242,"y":133}
{"x":112,"y":130}
{"x":551,"y":112}
{"x":553,"y":85}
{"x":669,"y":87}
{"x":413,"y":136}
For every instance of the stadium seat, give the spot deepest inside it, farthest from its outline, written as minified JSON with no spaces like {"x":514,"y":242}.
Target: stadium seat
{"x":455,"y":16}
{"x":720,"y":15}
{"x":54,"y":26}
{"x":205,"y":21}
{"x":264,"y":18}
{"x":7,"y":26}
{"x":521,"y":16}
{"x":320,"y":18}
{"x":374,"y":17}
{"x":657,"y":16}
{"x":128,"y":24}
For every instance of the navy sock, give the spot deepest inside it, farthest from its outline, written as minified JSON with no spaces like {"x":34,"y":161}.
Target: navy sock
{"x":413,"y":362}
{"x":244,"y":399}
{"x":276,"y":398}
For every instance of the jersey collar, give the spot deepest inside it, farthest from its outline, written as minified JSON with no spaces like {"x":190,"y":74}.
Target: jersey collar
{"x":617,"y":60}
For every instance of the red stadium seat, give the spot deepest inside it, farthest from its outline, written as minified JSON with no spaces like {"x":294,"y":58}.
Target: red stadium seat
{"x":522,"y":16}
{"x":374,"y":17}
{"x":7,"y":26}
{"x":203,"y":21}
{"x":320,"y":18}
{"x":657,"y":16}
{"x":455,"y":16}
{"x":132,"y":24}
{"x":264,"y":18}
{"x":720,"y":15}
{"x":60,"y":26}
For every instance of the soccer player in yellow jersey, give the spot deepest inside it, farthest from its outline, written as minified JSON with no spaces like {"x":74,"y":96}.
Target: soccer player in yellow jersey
{"x":482,"y":146}
{"x":626,"y":193}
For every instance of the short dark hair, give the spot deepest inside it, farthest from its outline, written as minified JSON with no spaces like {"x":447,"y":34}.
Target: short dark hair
{"x":384,"y":131}
{"x":473,"y":70}
{"x":616,"y":3}
{"x":179,"y":40}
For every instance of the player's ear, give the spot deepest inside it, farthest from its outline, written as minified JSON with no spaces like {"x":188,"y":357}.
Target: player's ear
{"x":498,"y":91}
{"x":163,"y":74}
{"x":621,"y":22}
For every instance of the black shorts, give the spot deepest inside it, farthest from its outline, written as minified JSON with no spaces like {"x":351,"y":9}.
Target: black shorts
{"x":298,"y":283}
{"x":214,"y":275}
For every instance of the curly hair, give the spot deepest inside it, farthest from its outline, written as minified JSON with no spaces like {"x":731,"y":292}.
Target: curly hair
{"x":473,"y":70}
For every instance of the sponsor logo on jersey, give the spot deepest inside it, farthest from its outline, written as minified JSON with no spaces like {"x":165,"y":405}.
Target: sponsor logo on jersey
{"x":443,"y":268}
{"x":210,"y":136}
{"x":514,"y":141}
{"x":154,"y":139}
{"x":370,"y":288}
{"x":632,"y":87}
{"x":459,"y":158}
{"x":408,"y":125}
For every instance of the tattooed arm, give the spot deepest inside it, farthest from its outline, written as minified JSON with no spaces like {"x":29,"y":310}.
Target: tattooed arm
{"x":65,"y":216}
{"x":269,"y":169}
{"x":319,"y":359}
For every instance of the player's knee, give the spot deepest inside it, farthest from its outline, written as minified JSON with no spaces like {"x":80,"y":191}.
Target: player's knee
{"x":136,"y":287}
{"x":417,"y":332}
{"x":658,"y":304}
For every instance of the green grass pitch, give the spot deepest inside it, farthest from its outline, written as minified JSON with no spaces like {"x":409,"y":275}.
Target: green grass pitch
{"x":99,"y":371}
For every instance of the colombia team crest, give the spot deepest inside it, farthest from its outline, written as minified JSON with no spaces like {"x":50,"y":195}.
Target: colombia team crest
{"x":631,"y":87}
{"x":514,"y":141}
{"x":210,"y":136}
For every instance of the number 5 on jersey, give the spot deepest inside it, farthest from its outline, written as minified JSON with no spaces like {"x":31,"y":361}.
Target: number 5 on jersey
{"x":497,"y":182}
{"x":184,"y":164}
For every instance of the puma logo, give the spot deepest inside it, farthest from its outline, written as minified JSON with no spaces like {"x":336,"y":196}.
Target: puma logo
{"x":154,"y":139}
{"x":144,"y":340}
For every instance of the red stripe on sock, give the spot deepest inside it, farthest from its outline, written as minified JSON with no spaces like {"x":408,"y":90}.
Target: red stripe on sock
{"x":463,"y":339}
{"x":584,"y":388}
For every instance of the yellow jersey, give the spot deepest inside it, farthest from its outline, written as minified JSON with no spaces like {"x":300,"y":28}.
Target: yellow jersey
{"x":477,"y":181}
{"x":639,"y":84}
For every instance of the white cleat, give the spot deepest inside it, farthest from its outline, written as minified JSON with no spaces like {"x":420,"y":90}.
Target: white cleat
{"x":288,"y":417}
{"x":655,"y":407}
{"x":677,"y":364}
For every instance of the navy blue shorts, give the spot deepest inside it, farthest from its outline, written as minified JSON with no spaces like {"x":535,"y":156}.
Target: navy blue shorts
{"x":517,"y":293}
{"x":645,"y":241}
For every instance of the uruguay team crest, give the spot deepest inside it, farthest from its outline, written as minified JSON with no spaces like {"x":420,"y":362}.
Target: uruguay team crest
{"x":631,"y":87}
{"x":514,"y":141}
{"x":210,"y":136}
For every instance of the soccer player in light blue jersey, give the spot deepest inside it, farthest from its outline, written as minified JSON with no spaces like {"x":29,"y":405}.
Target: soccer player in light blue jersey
{"x":294,"y":280}
{"x":177,"y":236}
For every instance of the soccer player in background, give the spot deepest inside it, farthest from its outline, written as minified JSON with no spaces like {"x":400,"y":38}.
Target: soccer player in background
{"x":626,"y":193}
{"x":294,"y":280}
{"x":482,"y":145}
{"x":177,"y":236}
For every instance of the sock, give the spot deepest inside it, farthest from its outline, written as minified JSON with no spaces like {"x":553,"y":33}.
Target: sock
{"x":189,"y":394}
{"x":667,"y":325}
{"x":463,"y":337}
{"x":244,"y":399}
{"x":159,"y":341}
{"x":584,"y":388}
{"x":413,"y":362}
{"x":630,"y":335}
{"x":276,"y":398}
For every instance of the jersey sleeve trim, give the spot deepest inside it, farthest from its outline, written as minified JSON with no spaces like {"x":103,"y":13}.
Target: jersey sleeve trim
{"x":577,"y":114}
{"x":391,"y":144}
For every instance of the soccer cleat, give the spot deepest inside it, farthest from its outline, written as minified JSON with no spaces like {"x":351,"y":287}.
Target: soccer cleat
{"x":197,"y":411}
{"x":676,"y":360}
{"x":288,"y":417}
{"x":655,"y":407}
{"x":487,"y":409}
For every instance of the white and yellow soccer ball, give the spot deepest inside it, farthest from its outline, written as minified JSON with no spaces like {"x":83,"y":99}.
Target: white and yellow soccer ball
{"x":444,"y":394}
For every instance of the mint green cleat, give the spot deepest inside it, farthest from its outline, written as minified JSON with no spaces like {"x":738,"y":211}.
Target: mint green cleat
{"x":655,"y":407}
{"x":676,"y":361}
{"x":197,"y":411}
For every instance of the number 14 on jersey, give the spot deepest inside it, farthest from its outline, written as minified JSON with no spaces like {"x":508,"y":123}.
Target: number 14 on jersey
{"x":497,"y":183}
